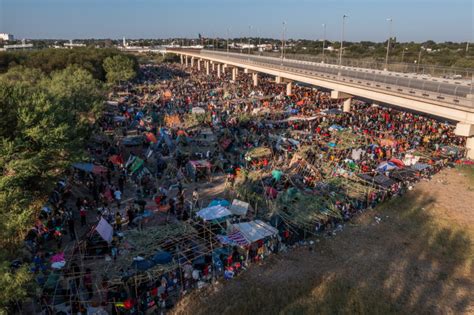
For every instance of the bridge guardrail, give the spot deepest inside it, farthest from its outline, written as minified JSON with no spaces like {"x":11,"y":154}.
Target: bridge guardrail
{"x":440,"y":91}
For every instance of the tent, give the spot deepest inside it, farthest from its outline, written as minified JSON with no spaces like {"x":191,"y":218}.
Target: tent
{"x":193,"y":167}
{"x":198,"y":110}
{"x":277,"y":174}
{"x":214,"y":213}
{"x":105,"y":230}
{"x":132,"y":141}
{"x":219,"y":202}
{"x":386,"y":166}
{"x":239,"y":207}
{"x":255,"y":230}
{"x":90,"y":168}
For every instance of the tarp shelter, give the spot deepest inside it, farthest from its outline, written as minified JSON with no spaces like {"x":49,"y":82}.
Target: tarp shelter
{"x":198,"y":110}
{"x":386,"y":166}
{"x":255,"y":230}
{"x":194,"y":167}
{"x":132,"y":141}
{"x":239,"y":207}
{"x":214,"y":213}
{"x":105,"y":230}
{"x":90,"y":168}
{"x":277,"y":174}
{"x":380,"y":180}
{"x":219,"y":202}
{"x":116,"y":159}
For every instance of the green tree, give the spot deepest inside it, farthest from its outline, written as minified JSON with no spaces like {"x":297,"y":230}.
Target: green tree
{"x":119,"y":68}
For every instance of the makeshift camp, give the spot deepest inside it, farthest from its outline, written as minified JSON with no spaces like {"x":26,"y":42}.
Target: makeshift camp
{"x":214,"y":213}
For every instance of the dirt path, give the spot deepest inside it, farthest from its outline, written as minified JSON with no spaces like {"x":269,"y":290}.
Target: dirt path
{"x":418,"y":259}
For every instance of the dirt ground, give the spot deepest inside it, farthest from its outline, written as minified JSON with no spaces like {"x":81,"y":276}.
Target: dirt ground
{"x":417,"y":259}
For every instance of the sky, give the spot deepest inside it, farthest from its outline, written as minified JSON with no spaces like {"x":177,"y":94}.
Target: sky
{"x":413,"y":20}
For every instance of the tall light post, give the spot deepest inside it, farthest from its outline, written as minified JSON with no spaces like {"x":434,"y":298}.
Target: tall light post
{"x":324,"y":39}
{"x":227,"y":40}
{"x":250,"y":30}
{"x":388,"y":42}
{"x":403,"y":53}
{"x":283,"y":41}
{"x":342,"y":38}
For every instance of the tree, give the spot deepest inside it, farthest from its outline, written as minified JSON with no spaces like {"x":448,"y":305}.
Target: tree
{"x":119,"y":68}
{"x":46,"y":121}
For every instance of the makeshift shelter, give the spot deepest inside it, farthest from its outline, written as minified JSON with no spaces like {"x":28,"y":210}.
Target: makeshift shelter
{"x":239,"y":207}
{"x":90,"y":168}
{"x":198,"y":168}
{"x":254,"y":230}
{"x":198,"y":110}
{"x":132,"y":141}
{"x":214,"y":213}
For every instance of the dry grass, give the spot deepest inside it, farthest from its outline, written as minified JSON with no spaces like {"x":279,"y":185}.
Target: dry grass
{"x":418,"y":259}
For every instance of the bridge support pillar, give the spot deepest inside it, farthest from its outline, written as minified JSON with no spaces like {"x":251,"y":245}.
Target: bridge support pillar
{"x":199,"y":64}
{"x":278,"y":80}
{"x":192,"y":62}
{"x":186,"y":61}
{"x":255,"y":78}
{"x":213,"y":66}
{"x":289,"y":88}
{"x":181,"y":58}
{"x":470,"y":148}
{"x":235,"y":71}
{"x":346,"y":107}
{"x":466,"y":130}
{"x":218,"y":70}
{"x":207,"y":67}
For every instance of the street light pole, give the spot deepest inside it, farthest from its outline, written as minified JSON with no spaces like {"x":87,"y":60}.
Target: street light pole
{"x":388,"y":42}
{"x":227,"y":40}
{"x":324,"y":39}
{"x":342,"y":39}
{"x":283,"y":41}
{"x":250,"y":29}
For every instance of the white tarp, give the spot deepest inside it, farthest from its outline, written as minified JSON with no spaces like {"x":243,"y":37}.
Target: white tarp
{"x":213,"y":213}
{"x":105,"y":230}
{"x":239,"y":207}
{"x":255,"y":230}
{"x":198,"y":110}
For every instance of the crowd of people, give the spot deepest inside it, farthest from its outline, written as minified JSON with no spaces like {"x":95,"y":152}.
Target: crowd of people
{"x":166,"y":135}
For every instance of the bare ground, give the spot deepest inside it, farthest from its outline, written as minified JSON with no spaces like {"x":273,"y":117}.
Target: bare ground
{"x":418,"y":259}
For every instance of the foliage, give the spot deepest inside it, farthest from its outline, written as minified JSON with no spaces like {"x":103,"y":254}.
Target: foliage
{"x":46,"y":120}
{"x":50,"y":60}
{"x":119,"y":68}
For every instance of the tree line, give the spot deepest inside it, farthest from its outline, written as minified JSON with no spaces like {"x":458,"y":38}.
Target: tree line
{"x":49,"y":101}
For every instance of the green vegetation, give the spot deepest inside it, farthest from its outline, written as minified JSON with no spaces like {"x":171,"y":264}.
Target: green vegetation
{"x":119,"y":68}
{"x":49,"y":60}
{"x":47,"y":111}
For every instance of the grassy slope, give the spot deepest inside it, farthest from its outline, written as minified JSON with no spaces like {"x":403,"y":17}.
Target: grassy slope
{"x":417,"y":260}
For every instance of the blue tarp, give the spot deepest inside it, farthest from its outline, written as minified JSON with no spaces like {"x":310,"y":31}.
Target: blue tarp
{"x":219,"y":202}
{"x":162,"y":258}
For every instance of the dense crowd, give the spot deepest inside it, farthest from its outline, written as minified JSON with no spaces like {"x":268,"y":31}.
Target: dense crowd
{"x":153,"y":151}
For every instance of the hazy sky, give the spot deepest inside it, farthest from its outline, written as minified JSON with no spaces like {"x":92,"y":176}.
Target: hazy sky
{"x":417,"y":20}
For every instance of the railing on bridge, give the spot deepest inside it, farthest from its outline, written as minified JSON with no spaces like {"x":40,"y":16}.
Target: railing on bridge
{"x":458,"y":93}
{"x":439,"y":90}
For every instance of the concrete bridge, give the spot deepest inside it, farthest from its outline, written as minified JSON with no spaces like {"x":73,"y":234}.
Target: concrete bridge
{"x":448,"y":99}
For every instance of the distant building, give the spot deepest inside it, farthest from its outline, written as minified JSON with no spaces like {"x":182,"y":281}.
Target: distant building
{"x":73,"y":45}
{"x":18,"y":47}
{"x":6,"y":37}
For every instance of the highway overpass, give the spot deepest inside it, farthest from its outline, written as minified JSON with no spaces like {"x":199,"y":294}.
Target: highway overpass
{"x":444,"y":98}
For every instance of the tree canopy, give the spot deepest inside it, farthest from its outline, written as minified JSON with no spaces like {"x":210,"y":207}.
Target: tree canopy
{"x":119,"y":68}
{"x":46,"y":120}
